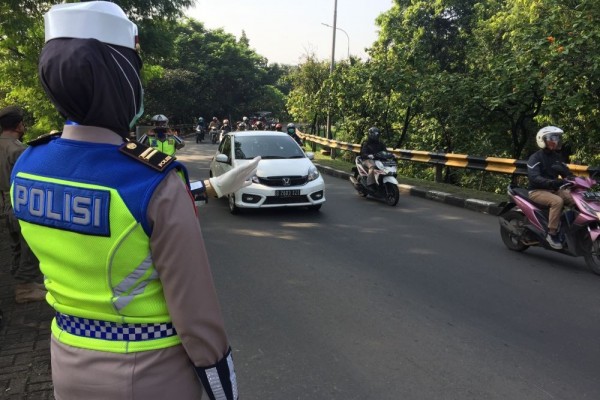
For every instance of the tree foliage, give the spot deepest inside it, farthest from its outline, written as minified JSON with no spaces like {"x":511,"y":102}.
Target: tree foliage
{"x":188,"y":72}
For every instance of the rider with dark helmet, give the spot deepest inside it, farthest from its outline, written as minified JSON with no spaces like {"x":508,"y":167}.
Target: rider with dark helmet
{"x":368,"y":149}
{"x":291,"y":130}
{"x":544,"y":170}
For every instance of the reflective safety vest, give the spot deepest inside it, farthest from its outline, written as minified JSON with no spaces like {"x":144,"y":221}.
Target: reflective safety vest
{"x":167,"y":146}
{"x":82,"y":209}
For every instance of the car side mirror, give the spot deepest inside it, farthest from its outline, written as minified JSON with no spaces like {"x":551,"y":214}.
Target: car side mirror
{"x":222,"y":158}
{"x":310,"y":155}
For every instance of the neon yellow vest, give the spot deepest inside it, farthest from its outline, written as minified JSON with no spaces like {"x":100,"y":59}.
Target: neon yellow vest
{"x":167,"y":146}
{"x":95,"y":255}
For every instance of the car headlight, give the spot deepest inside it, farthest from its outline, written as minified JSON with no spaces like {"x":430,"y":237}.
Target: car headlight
{"x":313,"y":173}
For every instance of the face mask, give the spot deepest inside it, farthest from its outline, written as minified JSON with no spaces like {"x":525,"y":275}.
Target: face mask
{"x":161,"y":133}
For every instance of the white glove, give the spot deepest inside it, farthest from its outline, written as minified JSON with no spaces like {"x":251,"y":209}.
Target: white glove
{"x":234,"y":179}
{"x":370,"y":156}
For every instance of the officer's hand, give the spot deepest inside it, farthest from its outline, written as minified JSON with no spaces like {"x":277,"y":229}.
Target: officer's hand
{"x":371,"y":156}
{"x":235,"y":178}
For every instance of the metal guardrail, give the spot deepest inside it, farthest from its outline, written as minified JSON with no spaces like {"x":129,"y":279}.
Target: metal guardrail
{"x":440,"y":160}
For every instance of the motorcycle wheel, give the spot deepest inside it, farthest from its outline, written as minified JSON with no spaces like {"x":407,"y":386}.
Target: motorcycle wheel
{"x":592,"y":257}
{"x":392,"y":194}
{"x":510,"y":240}
{"x":232,"y":207}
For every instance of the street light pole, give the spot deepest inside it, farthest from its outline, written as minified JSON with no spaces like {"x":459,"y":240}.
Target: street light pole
{"x":331,"y":67}
{"x":340,"y":29}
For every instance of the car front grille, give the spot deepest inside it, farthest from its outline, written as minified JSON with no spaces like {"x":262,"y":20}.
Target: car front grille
{"x":283,"y":181}
{"x":286,"y":200}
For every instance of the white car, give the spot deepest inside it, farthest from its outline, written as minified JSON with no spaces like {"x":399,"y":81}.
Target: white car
{"x":286,"y":176}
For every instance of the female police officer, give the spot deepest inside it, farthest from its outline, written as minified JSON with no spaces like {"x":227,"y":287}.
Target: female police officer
{"x":137,"y":315}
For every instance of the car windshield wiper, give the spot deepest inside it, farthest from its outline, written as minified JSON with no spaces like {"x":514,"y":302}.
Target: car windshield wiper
{"x":272,"y":157}
{"x":298,"y":156}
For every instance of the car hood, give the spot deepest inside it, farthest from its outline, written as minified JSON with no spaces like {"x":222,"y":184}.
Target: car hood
{"x":289,"y":166}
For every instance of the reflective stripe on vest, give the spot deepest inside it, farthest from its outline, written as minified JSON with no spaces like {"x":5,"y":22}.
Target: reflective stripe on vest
{"x":130,"y":281}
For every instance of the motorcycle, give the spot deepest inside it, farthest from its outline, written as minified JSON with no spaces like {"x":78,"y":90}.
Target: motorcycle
{"x":523,"y":223}
{"x":386,"y":169}
{"x":214,"y":135}
{"x":199,"y":134}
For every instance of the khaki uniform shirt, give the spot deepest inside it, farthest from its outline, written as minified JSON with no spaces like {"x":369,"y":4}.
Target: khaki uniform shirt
{"x":10,"y":150}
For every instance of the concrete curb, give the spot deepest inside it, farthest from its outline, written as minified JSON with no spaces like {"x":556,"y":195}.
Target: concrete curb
{"x":482,"y":206}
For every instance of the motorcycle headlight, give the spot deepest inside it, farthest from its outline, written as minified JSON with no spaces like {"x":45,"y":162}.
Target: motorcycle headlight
{"x":313,"y":173}
{"x":379,"y":164}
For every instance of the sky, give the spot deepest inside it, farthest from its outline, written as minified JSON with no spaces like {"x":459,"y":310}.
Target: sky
{"x":285,"y":31}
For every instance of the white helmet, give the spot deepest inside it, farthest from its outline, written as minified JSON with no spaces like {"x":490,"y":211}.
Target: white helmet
{"x":159,"y":120}
{"x":549,"y":133}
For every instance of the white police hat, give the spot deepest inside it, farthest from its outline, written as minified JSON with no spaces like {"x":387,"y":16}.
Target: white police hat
{"x":99,"y":20}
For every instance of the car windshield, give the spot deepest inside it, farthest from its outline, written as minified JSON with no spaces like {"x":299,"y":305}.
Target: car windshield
{"x":268,"y":147}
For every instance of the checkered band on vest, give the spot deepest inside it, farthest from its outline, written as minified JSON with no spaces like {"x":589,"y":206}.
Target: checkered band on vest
{"x":112,"y":330}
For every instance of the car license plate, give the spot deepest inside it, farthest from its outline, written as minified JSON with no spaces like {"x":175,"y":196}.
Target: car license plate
{"x":287,"y":193}
{"x":591,"y":195}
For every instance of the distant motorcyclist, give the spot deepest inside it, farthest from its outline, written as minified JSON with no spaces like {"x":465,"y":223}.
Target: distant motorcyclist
{"x":214,"y":124}
{"x":161,"y":137}
{"x":241,"y":126}
{"x":201,"y":123}
{"x":544,"y":168}
{"x":278,"y":127}
{"x":259,"y":126}
{"x":291,"y":130}
{"x":200,"y":129}
{"x":226,"y":126}
{"x":368,"y":149}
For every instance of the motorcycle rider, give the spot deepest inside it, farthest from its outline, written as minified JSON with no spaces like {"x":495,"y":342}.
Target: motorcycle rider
{"x":226,"y":127}
{"x":291,"y":130}
{"x":278,"y":127}
{"x":368,"y":149}
{"x":543,"y":170}
{"x":214,"y":124}
{"x":201,"y":129}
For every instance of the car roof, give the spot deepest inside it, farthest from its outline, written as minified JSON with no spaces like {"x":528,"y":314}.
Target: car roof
{"x":258,"y":133}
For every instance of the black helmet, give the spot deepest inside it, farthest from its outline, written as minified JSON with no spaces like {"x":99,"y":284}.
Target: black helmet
{"x":374,"y":133}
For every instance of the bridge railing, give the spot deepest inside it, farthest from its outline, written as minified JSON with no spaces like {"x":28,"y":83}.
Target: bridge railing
{"x":440,"y":160}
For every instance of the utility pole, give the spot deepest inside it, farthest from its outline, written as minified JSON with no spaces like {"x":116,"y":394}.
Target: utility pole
{"x":328,"y":131}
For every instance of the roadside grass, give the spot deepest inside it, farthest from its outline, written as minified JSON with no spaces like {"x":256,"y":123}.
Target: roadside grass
{"x":346,"y":166}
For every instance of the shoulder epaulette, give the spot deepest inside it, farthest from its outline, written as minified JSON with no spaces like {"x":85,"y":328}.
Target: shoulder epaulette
{"x":146,"y":155}
{"x":43,"y":139}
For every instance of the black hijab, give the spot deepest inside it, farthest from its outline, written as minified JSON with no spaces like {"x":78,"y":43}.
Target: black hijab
{"x":92,"y":83}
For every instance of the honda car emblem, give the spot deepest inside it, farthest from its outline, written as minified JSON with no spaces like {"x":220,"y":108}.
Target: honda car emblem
{"x":286,"y":181}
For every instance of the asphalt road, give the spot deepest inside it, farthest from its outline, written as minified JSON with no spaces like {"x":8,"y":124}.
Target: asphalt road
{"x":421,"y":301}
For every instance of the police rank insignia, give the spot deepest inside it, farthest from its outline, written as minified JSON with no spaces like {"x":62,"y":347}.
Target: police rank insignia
{"x":147,"y":155}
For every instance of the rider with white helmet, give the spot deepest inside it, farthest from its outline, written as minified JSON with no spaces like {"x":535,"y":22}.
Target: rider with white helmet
{"x":546,"y":173}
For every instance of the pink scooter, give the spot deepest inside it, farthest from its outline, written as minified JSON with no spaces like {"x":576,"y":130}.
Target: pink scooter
{"x":523,"y":223}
